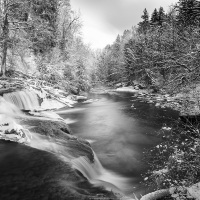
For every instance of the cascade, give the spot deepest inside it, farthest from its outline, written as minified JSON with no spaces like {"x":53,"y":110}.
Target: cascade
{"x":98,"y":175}
{"x":26,"y":100}
{"x":95,"y":173}
{"x":9,"y":128}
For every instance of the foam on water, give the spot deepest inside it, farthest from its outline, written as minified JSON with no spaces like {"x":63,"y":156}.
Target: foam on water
{"x":69,"y":121}
{"x":98,"y":175}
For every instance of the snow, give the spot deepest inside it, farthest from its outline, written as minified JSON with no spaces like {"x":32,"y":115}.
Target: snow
{"x":127,"y":89}
{"x":194,"y":191}
{"x":166,"y":128}
{"x":9,"y":128}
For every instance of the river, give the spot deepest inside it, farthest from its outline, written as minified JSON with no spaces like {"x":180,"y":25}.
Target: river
{"x":120,"y":127}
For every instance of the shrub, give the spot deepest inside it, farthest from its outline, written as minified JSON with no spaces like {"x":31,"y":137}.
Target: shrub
{"x":176,"y":161}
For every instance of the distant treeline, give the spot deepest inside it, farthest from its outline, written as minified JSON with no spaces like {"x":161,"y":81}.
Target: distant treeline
{"x":162,"y":50}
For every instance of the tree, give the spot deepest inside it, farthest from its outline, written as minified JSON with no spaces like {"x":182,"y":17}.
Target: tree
{"x":165,"y":54}
{"x":161,"y":16}
{"x":144,"y":25}
{"x":129,"y":58}
{"x":31,"y":24}
{"x":13,"y":17}
{"x":43,"y":25}
{"x":154,"y":17}
{"x":145,"y":16}
{"x":68,"y":25}
{"x":188,"y":12}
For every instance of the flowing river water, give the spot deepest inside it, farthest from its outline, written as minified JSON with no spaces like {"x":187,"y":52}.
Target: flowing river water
{"x":120,"y":127}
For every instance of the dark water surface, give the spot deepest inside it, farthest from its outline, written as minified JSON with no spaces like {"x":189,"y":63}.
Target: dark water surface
{"x":119,"y":132}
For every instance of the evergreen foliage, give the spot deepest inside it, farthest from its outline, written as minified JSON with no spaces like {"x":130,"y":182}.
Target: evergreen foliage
{"x":164,"y":54}
{"x":144,"y":25}
{"x":188,"y":12}
{"x":161,"y":16}
{"x":154,"y":17}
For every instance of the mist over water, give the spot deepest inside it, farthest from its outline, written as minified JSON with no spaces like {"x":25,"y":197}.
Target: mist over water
{"x":119,"y":135}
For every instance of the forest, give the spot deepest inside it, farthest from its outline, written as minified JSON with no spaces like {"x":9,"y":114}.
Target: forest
{"x":43,"y":39}
{"x":162,"y":51}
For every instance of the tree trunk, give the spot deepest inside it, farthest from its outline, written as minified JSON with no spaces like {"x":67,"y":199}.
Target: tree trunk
{"x":5,"y":44}
{"x":4,"y":56}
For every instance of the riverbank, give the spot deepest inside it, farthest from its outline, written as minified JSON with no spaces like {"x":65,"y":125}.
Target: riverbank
{"x":185,"y":140}
{"x":187,"y":102}
{"x":176,"y":169}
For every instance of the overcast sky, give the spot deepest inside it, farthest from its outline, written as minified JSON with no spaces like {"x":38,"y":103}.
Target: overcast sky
{"x":103,"y":20}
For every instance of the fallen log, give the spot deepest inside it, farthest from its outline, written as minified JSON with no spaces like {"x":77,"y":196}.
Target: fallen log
{"x":156,"y":195}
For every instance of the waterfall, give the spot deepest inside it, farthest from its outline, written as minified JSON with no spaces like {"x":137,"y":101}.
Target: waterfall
{"x":25,"y":100}
{"x":10,"y":129}
{"x":98,"y":175}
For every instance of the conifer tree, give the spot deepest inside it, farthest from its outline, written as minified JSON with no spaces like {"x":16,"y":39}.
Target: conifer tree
{"x":188,"y":12}
{"x":144,"y":25}
{"x":161,"y":16}
{"x":145,"y":16}
{"x":154,"y":17}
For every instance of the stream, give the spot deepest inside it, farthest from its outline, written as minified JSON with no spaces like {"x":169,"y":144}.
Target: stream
{"x":120,"y":127}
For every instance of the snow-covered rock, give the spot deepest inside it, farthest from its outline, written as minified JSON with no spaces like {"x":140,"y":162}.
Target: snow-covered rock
{"x":194,"y":191}
{"x":9,"y":128}
{"x":127,"y":89}
{"x":166,"y":128}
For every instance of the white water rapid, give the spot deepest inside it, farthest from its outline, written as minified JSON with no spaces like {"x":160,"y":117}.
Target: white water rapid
{"x":26,"y":100}
{"x":98,"y":175}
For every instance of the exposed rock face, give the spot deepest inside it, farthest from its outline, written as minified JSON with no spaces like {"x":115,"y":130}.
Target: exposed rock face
{"x":58,"y":130}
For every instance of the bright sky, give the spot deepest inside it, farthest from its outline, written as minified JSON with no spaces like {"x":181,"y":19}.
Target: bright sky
{"x":103,"y":20}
